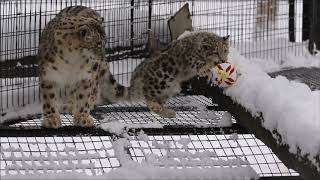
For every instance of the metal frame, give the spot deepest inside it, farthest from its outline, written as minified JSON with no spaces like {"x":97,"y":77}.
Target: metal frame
{"x":222,"y":20}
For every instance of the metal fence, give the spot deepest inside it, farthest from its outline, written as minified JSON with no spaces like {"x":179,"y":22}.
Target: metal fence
{"x":259,"y":28}
{"x":267,"y":29}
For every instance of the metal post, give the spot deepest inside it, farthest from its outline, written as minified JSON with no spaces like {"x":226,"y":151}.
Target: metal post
{"x":314,"y":27}
{"x":310,"y":27}
{"x":306,"y":17}
{"x":131,"y":26}
{"x":292,"y":34}
{"x":149,"y":15}
{"x":316,"y":23}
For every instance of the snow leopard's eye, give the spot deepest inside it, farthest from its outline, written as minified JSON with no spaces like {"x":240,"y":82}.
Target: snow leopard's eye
{"x":206,"y":47}
{"x":83,"y":32}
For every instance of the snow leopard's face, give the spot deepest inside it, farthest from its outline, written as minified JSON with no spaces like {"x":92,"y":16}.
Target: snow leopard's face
{"x":80,"y":33}
{"x":215,"y":48}
{"x":223,"y":49}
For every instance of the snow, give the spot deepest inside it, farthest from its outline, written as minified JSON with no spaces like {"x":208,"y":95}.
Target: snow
{"x":289,"y":107}
{"x":187,"y":34}
{"x":114,"y":127}
{"x":21,"y":112}
{"x":226,"y":120}
{"x":145,"y":172}
{"x":118,"y":128}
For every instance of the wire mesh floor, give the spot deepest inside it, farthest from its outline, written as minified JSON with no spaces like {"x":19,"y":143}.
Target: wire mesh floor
{"x":191,"y":111}
{"x":97,"y":154}
{"x":309,"y":76}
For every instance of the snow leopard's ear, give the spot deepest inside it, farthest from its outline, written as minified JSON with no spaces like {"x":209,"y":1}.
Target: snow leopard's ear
{"x":226,"y":38}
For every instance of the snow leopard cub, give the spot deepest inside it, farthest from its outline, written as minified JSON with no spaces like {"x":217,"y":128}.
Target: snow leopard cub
{"x":159,"y":78}
{"x":72,"y":65}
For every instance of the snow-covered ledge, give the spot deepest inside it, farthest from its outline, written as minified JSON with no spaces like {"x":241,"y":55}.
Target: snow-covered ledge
{"x":303,"y":165}
{"x":284,"y":114}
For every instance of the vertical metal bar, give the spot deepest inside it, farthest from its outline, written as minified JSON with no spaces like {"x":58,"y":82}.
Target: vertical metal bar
{"x":306,"y":14}
{"x":149,"y":15}
{"x":292,"y":35}
{"x":149,"y":31}
{"x":228,"y":17}
{"x":312,"y":27}
{"x":1,"y":91}
{"x":316,"y":23}
{"x":131,"y":25}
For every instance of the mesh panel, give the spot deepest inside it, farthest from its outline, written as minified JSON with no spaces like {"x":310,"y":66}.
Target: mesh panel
{"x":95,"y":155}
{"x":92,"y":155}
{"x":258,"y":28}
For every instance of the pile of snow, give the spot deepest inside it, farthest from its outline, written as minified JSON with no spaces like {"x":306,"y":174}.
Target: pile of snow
{"x":119,"y":128}
{"x":289,"y":107}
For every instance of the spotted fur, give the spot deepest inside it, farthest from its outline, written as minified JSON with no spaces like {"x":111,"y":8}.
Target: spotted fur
{"x":159,"y":78}
{"x":72,"y":65}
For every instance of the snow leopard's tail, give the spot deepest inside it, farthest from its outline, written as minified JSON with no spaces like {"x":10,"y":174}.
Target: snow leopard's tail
{"x":110,"y":90}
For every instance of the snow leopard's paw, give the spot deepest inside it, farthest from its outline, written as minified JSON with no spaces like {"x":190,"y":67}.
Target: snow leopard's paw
{"x":83,"y":120}
{"x":167,"y":113}
{"x":51,"y":122}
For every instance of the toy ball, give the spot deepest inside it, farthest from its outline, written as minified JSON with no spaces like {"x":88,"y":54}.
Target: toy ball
{"x":224,"y":75}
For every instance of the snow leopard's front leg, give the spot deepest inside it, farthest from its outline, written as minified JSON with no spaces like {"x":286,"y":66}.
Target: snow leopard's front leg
{"x":82,"y":107}
{"x":49,"y":92}
{"x":159,"y":109}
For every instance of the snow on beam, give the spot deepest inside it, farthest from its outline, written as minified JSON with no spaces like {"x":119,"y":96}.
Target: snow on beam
{"x":254,"y":125}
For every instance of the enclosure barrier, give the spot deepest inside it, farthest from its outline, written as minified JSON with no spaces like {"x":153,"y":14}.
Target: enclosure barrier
{"x":258,"y":28}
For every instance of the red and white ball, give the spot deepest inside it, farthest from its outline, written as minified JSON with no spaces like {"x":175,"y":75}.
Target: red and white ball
{"x":224,"y":75}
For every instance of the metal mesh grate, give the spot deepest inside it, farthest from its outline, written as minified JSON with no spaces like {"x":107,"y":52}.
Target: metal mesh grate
{"x":258,"y":28}
{"x":223,"y":147}
{"x":309,"y":76}
{"x":92,"y":155}
{"x":95,"y":155}
{"x":191,"y":111}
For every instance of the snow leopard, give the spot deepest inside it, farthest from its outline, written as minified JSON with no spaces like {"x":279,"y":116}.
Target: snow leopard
{"x":72,"y":66}
{"x":159,"y":78}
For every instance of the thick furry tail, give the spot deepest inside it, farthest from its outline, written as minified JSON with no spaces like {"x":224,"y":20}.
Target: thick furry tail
{"x":110,"y":90}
